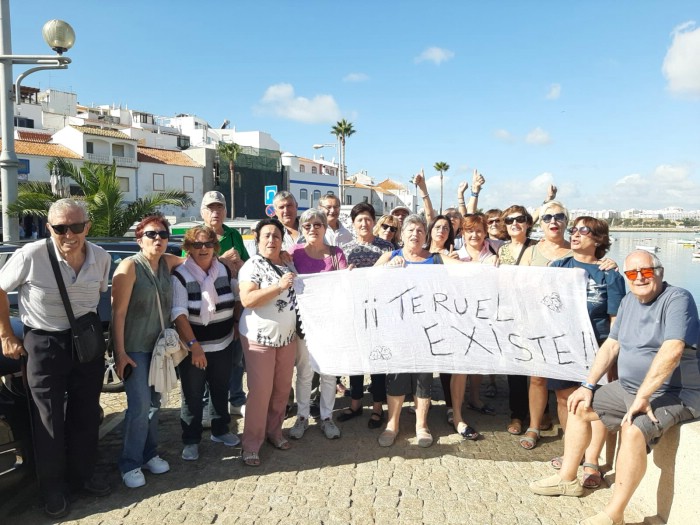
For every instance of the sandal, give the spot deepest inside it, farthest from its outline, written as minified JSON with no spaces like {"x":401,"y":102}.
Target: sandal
{"x":528,"y":442}
{"x":516,"y":426}
{"x":280,"y":444}
{"x":484,"y":409}
{"x":451,"y":417}
{"x":349,"y":413}
{"x":376,"y":419}
{"x":468,"y":432}
{"x":591,"y":480}
{"x":491,"y":390}
{"x":251,"y":459}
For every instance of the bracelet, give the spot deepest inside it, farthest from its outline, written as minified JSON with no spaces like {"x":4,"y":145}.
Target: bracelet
{"x":460,"y":200}
{"x":475,"y":194}
{"x":589,"y":386}
{"x":424,"y":196}
{"x":190,"y":344}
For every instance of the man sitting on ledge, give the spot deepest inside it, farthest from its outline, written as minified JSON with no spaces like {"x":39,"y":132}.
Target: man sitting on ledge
{"x":655,"y":342}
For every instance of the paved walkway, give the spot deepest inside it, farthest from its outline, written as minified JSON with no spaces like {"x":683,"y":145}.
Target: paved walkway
{"x":349,"y":480}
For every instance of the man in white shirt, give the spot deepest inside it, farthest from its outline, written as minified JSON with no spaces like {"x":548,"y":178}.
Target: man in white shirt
{"x":336,"y":234}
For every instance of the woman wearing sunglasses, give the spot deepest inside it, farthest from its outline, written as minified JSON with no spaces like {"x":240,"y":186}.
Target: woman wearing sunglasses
{"x":387,"y":228}
{"x":364,"y":251}
{"x":205,"y":309}
{"x":314,"y":257}
{"x":136,"y":325}
{"x":605,"y":289}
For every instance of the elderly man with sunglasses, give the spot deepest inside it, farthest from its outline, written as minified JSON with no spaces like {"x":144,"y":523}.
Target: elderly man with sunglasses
{"x":655,"y":343}
{"x":65,"y":392}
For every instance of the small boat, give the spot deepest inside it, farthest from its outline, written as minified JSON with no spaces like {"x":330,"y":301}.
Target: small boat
{"x":696,"y":255}
{"x":647,"y":247}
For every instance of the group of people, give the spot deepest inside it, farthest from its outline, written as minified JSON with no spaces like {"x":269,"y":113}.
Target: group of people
{"x":234,"y":311}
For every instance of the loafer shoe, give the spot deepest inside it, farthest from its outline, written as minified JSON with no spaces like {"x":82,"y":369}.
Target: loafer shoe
{"x":228,"y":439}
{"x":190,"y":452}
{"x":386,"y":438}
{"x":555,"y":486}
{"x":56,"y":505}
{"x":134,"y":478}
{"x":157,"y":465}
{"x":425,"y":439}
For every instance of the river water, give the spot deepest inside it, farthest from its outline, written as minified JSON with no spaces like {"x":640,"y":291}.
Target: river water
{"x":680,"y":267}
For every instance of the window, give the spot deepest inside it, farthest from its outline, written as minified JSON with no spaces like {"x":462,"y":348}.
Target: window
{"x":23,"y":122}
{"x":90,"y":147}
{"x":118,"y":150}
{"x":123,"y":184}
{"x":303,"y":195}
{"x":158,"y":182}
{"x":188,"y":184}
{"x":183,"y":142}
{"x":348,"y":199}
{"x":302,"y":169}
{"x":317,"y":195}
{"x":313,"y":169}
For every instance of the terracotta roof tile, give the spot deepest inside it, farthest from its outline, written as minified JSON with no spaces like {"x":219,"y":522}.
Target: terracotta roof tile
{"x":165,"y":156}
{"x":87,"y":130}
{"x":34,"y":136}
{"x":24,"y":147}
{"x":389,"y":184}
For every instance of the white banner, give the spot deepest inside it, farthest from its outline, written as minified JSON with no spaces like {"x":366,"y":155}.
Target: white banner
{"x":465,"y":318}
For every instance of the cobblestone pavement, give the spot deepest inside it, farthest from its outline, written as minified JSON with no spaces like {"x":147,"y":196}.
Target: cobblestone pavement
{"x":348,"y":480}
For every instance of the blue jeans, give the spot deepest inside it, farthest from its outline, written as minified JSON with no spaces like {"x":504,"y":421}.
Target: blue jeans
{"x":141,"y":419}
{"x":236,"y":395}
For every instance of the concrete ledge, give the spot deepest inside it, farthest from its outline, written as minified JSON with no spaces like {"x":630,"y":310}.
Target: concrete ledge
{"x":673,"y":476}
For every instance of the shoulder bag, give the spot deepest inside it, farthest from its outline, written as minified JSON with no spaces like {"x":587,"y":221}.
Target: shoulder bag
{"x":86,"y":331}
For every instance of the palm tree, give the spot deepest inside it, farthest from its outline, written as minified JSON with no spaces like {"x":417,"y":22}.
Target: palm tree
{"x":342,"y":130}
{"x":109,"y":214}
{"x":229,"y":151}
{"x":441,"y":167}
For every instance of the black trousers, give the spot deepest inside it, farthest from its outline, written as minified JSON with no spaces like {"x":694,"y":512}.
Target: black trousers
{"x":66,"y":410}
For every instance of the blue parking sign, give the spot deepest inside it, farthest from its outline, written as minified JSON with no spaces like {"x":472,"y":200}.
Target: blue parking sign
{"x":270,"y":192}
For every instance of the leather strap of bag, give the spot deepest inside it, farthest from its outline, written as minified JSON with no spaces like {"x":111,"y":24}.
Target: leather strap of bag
{"x":152,"y":276}
{"x":61,"y":284}
{"x":522,"y":251}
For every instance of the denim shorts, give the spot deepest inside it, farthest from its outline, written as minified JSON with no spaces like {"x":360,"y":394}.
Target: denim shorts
{"x":611,"y":402}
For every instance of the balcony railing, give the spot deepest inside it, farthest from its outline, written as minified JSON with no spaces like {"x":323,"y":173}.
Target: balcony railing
{"x":107,"y":159}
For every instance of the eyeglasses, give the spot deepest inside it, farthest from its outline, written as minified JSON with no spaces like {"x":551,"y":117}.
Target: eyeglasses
{"x":520,"y":219}
{"x":62,"y":229}
{"x":392,"y":229}
{"x":314,"y":225}
{"x":647,"y":273}
{"x":199,"y":245}
{"x":151,"y":234}
{"x":558,"y":217}
{"x":493,"y":221}
{"x":583,"y":230}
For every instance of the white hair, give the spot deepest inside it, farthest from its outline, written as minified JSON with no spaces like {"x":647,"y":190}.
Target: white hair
{"x":65,"y":205}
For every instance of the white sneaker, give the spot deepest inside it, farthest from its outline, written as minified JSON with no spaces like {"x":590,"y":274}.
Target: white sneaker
{"x":190,"y":452}
{"x":228,"y":439}
{"x":237,"y":410}
{"x":134,"y":478}
{"x":300,"y":426}
{"x":330,"y":429}
{"x":157,"y":465}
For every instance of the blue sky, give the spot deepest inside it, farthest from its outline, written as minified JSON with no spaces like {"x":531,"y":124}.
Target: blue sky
{"x":601,"y":98}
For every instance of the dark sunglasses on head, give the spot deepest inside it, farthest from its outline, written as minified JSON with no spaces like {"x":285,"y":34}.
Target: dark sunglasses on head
{"x":199,"y":245}
{"x":520,"y":219}
{"x":62,"y":229}
{"x":647,"y":273}
{"x":558,"y":217}
{"x":163,"y":234}
{"x":393,"y":229}
{"x":583,"y":230}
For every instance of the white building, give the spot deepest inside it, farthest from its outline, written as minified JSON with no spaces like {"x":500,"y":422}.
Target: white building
{"x":310,"y":179}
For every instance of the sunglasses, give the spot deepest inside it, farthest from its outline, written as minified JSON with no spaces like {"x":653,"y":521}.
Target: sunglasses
{"x":199,"y":245}
{"x":62,"y":229}
{"x":583,"y":230}
{"x":315,"y":226}
{"x":493,"y":221}
{"x":558,"y":217}
{"x":392,"y":229}
{"x":647,"y":273}
{"x":520,"y":219}
{"x":163,"y":234}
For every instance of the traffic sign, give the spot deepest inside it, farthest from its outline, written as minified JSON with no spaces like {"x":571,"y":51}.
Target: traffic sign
{"x":270,"y":210}
{"x":270,"y":192}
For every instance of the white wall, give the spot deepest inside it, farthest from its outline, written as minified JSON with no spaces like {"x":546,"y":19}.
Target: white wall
{"x":173,"y":178}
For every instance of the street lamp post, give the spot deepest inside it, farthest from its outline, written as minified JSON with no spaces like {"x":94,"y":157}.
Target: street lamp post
{"x":60,"y":37}
{"x":341,"y":176}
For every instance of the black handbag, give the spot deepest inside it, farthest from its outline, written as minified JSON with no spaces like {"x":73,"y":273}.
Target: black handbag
{"x":86,"y":331}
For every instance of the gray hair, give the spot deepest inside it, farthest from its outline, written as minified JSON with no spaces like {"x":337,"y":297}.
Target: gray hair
{"x":554,"y":204}
{"x":414,"y":219}
{"x":327,"y":197}
{"x":311,"y":214}
{"x":62,"y":206}
{"x":658,"y":265}
{"x":283,"y":196}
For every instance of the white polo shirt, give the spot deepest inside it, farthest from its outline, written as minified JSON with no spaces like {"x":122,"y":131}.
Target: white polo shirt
{"x":40,"y":305}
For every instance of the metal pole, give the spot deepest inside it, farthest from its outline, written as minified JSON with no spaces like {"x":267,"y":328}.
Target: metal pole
{"x":8,"y":157}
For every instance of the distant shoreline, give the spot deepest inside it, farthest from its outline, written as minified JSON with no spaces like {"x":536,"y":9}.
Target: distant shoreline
{"x":662,"y":230}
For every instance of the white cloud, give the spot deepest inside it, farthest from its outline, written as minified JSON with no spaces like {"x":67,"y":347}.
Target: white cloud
{"x":281,"y":101}
{"x":681,"y":65}
{"x":554,"y":92}
{"x":356,"y":77}
{"x":504,"y":135}
{"x":666,"y":185}
{"x":433,"y":184}
{"x":436,"y":55}
{"x":538,"y":136}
